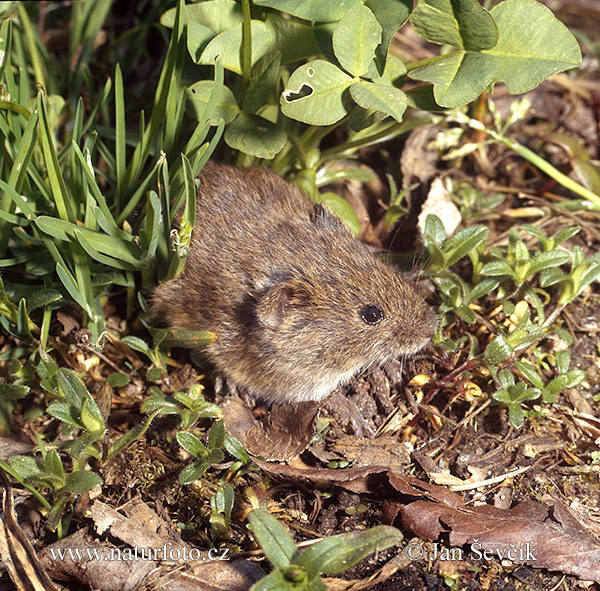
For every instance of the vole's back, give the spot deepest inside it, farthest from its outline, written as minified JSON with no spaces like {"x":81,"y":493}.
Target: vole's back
{"x":297,"y":304}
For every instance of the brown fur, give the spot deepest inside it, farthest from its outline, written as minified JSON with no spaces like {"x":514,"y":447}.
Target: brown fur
{"x":282,"y":283}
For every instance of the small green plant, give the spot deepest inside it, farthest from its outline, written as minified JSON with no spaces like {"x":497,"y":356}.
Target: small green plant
{"x":353,"y":79}
{"x":221,"y":505}
{"x":206,"y":456}
{"x":189,"y":406}
{"x":518,"y":278}
{"x":497,"y":133}
{"x":301,"y":571}
{"x":84,"y":427}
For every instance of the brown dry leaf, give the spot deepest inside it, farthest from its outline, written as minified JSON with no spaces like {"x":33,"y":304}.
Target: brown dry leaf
{"x":381,"y":451}
{"x":106,"y":518}
{"x":9,"y":446}
{"x":281,"y":435}
{"x":83,"y":559}
{"x":356,"y":480}
{"x":69,"y":324}
{"x":541,"y":536}
{"x":99,"y":566}
{"x":529,"y":533}
{"x":234,"y":575}
{"x":588,"y":424}
{"x":212,"y":572}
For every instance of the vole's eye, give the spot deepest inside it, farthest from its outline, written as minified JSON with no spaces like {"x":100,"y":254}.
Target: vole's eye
{"x":372,"y":314}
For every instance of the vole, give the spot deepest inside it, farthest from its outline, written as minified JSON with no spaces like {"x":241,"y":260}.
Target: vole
{"x":298,"y":305}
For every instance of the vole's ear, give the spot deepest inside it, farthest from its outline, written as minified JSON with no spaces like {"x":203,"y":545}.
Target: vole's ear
{"x":276,"y":304}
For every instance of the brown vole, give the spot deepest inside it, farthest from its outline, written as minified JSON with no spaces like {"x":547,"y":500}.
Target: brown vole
{"x":297,"y":303}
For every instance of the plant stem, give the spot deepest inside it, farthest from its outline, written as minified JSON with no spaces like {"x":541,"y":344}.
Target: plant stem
{"x":246,"y":42}
{"x":385,"y":134}
{"x":9,"y":470}
{"x":430,"y":60}
{"x":546,"y":167}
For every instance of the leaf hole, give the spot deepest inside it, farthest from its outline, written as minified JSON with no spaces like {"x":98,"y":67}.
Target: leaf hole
{"x":305,"y":90}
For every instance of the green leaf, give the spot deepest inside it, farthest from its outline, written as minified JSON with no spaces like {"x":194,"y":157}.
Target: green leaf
{"x":118,"y":380}
{"x":236,"y":449}
{"x":355,"y":38}
{"x":551,"y":276}
{"x":516,"y":416}
{"x":588,"y":173}
{"x":64,"y":412}
{"x":81,"y":481}
{"x":380,"y":97}
{"x":217,"y":15}
{"x":523,"y":337}
{"x":68,"y":281}
{"x":294,"y":40}
{"x":463,"y":242}
{"x":530,"y":373}
{"x":42,"y":298}
{"x":340,"y":207}
{"x":482,"y":288}
{"x":255,"y":135}
{"x":338,"y":553}
{"x":314,"y":93}
{"x":13,"y":391}
{"x":497,"y":350}
{"x":564,"y":234}
{"x":137,"y":344}
{"x":131,"y":435}
{"x":199,"y":94}
{"x":264,"y":75}
{"x":563,"y":361}
{"x":149,"y":235}
{"x":584,"y":276}
{"x":192,"y":472}
{"x":216,"y":435}
{"x":506,"y":379}
{"x":391,"y":15}
{"x":532,"y":45}
{"x":192,"y":444}
{"x":278,"y":581}
{"x":462,"y":23}
{"x":549,"y":259}
{"x":91,"y":417}
{"x":466,"y":313}
{"x":312,"y":10}
{"x":185,"y":338}
{"x":63,"y":201}
{"x":222,"y":501}
{"x":498,"y":268}
{"x":198,"y":38}
{"x":26,"y":467}
{"x":559,"y":383}
{"x":115,"y":248}
{"x":71,"y":387}
{"x":273,"y":538}
{"x":434,"y":230}
{"x":228,"y":45}
{"x":54,"y":468}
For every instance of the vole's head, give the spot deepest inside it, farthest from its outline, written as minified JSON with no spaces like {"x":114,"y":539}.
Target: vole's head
{"x":328,"y":318}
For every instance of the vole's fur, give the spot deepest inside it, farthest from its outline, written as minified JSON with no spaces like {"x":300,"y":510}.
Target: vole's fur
{"x":284,"y":286}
